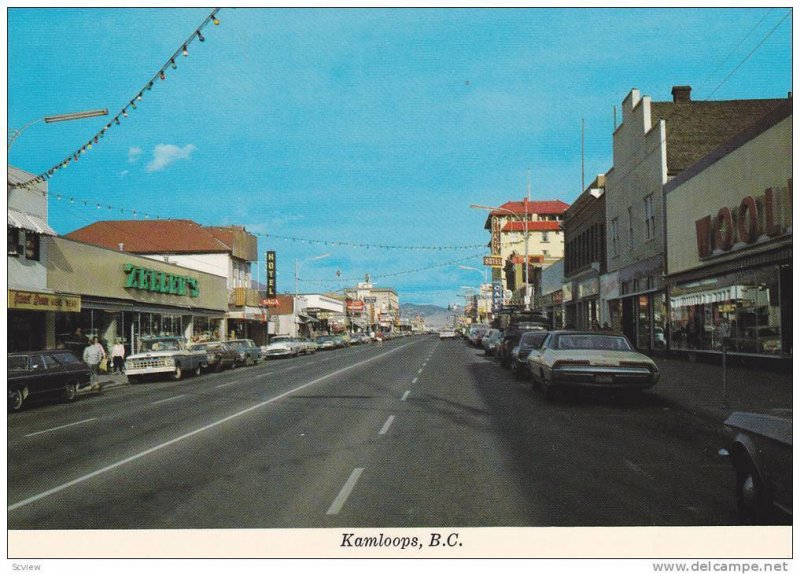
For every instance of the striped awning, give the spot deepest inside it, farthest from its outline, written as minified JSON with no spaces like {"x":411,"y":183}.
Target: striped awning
{"x":28,"y":222}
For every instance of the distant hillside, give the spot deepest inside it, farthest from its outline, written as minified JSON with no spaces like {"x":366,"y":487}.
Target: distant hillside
{"x":433,"y":315}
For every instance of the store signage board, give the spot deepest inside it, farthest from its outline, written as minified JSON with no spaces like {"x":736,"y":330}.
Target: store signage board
{"x":271,"y":262}
{"x":146,"y":279}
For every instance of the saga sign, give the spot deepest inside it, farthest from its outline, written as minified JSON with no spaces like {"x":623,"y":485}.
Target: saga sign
{"x":160,"y":282}
{"x":754,"y":217}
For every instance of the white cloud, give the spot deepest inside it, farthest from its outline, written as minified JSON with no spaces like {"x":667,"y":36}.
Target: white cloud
{"x":134,"y":153}
{"x":124,"y":173}
{"x":165,"y":154}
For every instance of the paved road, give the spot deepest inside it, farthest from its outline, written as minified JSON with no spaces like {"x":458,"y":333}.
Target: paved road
{"x":412,"y":432}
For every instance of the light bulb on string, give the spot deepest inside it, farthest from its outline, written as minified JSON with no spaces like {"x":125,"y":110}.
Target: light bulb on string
{"x":149,"y":86}
{"x":216,"y":21}
{"x":200,"y":36}
{"x":139,"y":97}
{"x":116,"y":120}
{"x":185,"y":51}
{"x":173,"y":64}
{"x":124,"y":113}
{"x":133,"y":104}
{"x":162,"y":75}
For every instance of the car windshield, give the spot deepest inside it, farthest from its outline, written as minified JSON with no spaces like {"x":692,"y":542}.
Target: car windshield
{"x":281,"y":339}
{"x":592,"y":342}
{"x":160,"y":345}
{"x":533,"y":340}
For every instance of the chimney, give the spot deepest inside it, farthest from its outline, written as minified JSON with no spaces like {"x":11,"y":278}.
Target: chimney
{"x":681,"y":94}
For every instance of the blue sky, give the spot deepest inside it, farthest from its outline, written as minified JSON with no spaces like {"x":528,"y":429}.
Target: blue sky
{"x":359,"y":126}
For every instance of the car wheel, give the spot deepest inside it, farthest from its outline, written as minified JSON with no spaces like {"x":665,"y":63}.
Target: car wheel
{"x":751,"y":496}
{"x":133,"y":379}
{"x":178,"y":374}
{"x":548,"y":392}
{"x":15,"y":399}
{"x":198,"y":369}
{"x":218,"y":366}
{"x":70,"y":392}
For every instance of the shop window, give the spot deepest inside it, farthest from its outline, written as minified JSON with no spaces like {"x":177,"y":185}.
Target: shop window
{"x":14,"y":246}
{"x":741,"y":312}
{"x":32,"y":246}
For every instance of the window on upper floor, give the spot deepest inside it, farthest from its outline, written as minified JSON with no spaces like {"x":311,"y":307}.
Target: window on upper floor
{"x":615,"y":237}
{"x":545,"y":237}
{"x":14,"y":247}
{"x":630,"y":227}
{"x":32,"y":246}
{"x":649,"y":217}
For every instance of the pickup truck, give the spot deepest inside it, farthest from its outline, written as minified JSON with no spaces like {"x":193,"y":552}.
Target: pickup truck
{"x":39,"y":373}
{"x":164,"y":356}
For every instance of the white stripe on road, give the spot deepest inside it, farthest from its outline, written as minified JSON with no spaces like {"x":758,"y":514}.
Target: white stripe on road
{"x":226,"y":384}
{"x":414,"y":380}
{"x":169,"y":399}
{"x":345,"y":492}
{"x":62,"y":427}
{"x":405,"y":395}
{"x":419,"y":372}
{"x":638,"y":469}
{"x":183,"y":437}
{"x":387,"y":424}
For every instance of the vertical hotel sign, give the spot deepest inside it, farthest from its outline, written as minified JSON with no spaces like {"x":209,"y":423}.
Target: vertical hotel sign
{"x":271,"y":291}
{"x":496,"y":235}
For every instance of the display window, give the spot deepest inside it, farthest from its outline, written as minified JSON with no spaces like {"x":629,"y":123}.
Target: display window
{"x":741,"y":312}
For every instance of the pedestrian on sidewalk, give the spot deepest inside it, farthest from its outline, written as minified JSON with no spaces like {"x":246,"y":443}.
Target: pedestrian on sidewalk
{"x":118,"y":356}
{"x":93,"y":356}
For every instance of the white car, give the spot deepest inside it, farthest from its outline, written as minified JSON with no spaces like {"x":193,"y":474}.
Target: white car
{"x":281,"y":346}
{"x":447,"y":334}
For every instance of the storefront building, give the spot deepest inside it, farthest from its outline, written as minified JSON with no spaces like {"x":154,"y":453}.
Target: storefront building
{"x":656,"y":143}
{"x":116,"y":295}
{"x":729,"y":245}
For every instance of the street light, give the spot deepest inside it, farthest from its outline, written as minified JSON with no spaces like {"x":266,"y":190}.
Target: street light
{"x":485,"y":279}
{"x":13,"y":134}
{"x":297,"y":267}
{"x":527,"y":235}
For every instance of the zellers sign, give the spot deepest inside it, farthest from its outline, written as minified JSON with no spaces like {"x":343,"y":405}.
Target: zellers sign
{"x":754,"y":217}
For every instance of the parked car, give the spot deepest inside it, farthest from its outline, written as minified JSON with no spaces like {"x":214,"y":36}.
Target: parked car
{"x":307,"y":346}
{"x":281,"y":346}
{"x":476,"y":333}
{"x":249,"y":352}
{"x":326,"y":342}
{"x":760,"y":450}
{"x":447,"y":334}
{"x":219,"y":355}
{"x":164,"y":356}
{"x":529,"y":342}
{"x":341,"y":341}
{"x":590,"y":359}
{"x":360,"y":339}
{"x":491,"y":340}
{"x":57,"y":372}
{"x":510,"y":340}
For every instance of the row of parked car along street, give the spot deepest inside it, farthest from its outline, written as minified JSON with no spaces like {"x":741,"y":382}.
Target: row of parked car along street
{"x":60,"y":373}
{"x":758,"y":445}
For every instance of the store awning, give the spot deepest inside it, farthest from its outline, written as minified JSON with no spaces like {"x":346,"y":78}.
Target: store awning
{"x":306,"y":319}
{"x":29,"y":222}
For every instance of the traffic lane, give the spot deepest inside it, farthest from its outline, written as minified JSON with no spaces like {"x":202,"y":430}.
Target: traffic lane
{"x":224,"y":466}
{"x":595,"y":459}
{"x":442,"y":462}
{"x":148,"y":417}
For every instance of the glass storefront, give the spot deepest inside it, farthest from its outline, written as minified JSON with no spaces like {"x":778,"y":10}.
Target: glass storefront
{"x":75,"y":330}
{"x":748,"y":311}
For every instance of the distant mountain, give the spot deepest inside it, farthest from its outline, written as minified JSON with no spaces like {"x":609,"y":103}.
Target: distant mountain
{"x":433,"y":315}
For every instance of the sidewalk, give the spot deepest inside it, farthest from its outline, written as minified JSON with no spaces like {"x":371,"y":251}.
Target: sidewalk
{"x":106,"y":381}
{"x":698,"y":388}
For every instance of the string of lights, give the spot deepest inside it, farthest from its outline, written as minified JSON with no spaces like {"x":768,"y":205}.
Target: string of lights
{"x":388,"y":275}
{"x":132,"y":104}
{"x":111,"y":209}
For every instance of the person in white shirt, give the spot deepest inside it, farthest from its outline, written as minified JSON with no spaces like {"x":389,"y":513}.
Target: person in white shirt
{"x":118,"y":356}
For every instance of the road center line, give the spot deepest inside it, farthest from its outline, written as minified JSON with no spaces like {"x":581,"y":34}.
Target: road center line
{"x":169,"y":399}
{"x":414,"y":380}
{"x":405,"y":395}
{"x":387,"y":424}
{"x":190,"y":434}
{"x":348,"y":487}
{"x":61,"y":427}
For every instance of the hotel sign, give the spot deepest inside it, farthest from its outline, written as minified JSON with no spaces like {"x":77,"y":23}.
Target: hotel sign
{"x":493,"y":261}
{"x":271,"y":274}
{"x":160,"y":282}
{"x":744,"y":224}
{"x":43,"y":302}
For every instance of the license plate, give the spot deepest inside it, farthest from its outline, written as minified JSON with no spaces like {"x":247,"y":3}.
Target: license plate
{"x":604,"y":378}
